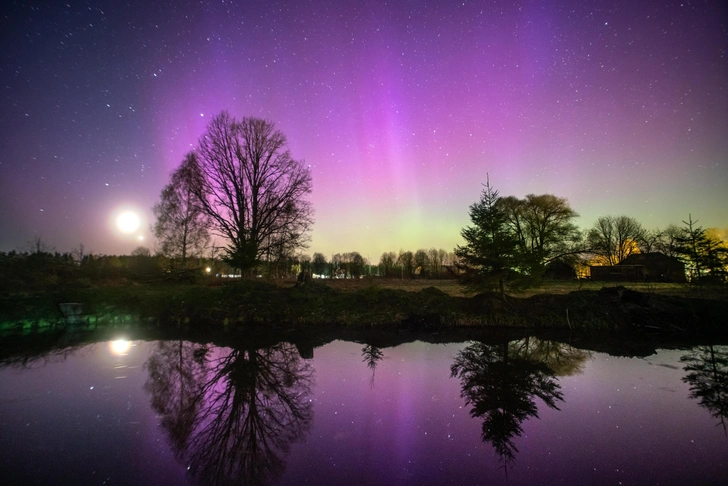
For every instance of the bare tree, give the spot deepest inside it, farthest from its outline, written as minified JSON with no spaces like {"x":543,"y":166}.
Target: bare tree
{"x":357,"y":264}
{"x":614,"y":238}
{"x":449,"y":258}
{"x":668,"y":241}
{"x":38,"y":246}
{"x":436,"y":258}
{"x":79,"y":253}
{"x":544,"y":228}
{"x":305,"y":262}
{"x":406,"y":260}
{"x":650,"y":241}
{"x":141,"y":251}
{"x":387,"y":262}
{"x":422,"y":263}
{"x":181,"y":226}
{"x":252,"y":189}
{"x":319,"y":264}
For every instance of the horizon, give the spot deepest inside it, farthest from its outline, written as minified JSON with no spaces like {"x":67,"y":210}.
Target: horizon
{"x":400,"y":111}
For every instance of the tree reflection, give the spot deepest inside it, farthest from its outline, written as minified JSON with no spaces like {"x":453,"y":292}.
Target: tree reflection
{"x":372,"y":356}
{"x":563,"y":359}
{"x":501,"y":383}
{"x":707,"y":375}
{"x":239,"y":414}
{"x":174,"y":370}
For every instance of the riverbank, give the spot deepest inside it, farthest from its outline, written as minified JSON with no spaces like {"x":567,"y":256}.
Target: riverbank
{"x":373,"y":305}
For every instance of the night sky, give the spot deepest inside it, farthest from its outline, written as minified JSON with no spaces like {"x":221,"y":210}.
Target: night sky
{"x":400,"y":109}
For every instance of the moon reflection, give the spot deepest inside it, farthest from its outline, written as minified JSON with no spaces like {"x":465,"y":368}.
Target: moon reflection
{"x":120,"y":347}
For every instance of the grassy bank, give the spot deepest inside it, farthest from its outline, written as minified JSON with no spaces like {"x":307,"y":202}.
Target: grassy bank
{"x":379,"y":304}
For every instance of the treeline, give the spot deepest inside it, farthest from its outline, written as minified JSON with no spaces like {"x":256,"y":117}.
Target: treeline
{"x":427,"y":264}
{"x":41,"y":267}
{"x":511,"y":242}
{"x":514,"y":242}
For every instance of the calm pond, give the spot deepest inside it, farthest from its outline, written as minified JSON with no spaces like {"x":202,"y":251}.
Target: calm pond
{"x":528,"y":411}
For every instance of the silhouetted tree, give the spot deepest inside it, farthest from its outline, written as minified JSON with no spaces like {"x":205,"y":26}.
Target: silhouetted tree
{"x":501,"y":388}
{"x":422,"y":263}
{"x":488,"y":255}
{"x":386,"y":263}
{"x":240,"y":414}
{"x":614,"y":238}
{"x":707,"y":375}
{"x":79,"y":253}
{"x":38,"y":246}
{"x":667,"y":241}
{"x":304,"y":261}
{"x":141,"y":251}
{"x":356,"y":264}
{"x":319,"y":264}
{"x":372,"y":356}
{"x":252,"y":189}
{"x":544,"y":229}
{"x":703,"y":254}
{"x":181,"y":225}
{"x":406,"y":261}
{"x":338,"y":266}
{"x":436,"y":259}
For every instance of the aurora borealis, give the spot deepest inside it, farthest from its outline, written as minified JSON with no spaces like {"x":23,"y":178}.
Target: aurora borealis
{"x":400,"y":108}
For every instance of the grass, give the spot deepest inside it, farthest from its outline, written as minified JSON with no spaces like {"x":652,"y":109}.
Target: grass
{"x":450,"y":287}
{"x":381,"y":303}
{"x":555,"y":287}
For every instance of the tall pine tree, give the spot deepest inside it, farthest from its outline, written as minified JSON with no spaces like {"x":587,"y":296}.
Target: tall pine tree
{"x":487,"y":257}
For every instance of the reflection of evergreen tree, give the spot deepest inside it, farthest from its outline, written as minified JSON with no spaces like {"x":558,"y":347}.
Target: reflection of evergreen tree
{"x":251,"y":404}
{"x":501,"y":387}
{"x":707,"y":375}
{"x":372,"y":355}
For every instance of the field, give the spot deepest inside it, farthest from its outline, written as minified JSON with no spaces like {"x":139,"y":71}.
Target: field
{"x":454,"y":289}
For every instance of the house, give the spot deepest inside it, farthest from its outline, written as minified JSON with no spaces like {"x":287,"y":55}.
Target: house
{"x":642,"y":267}
{"x":559,"y":270}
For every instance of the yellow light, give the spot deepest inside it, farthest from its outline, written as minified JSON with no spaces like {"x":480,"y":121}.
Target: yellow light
{"x":207,"y":269}
{"x":120,"y":347}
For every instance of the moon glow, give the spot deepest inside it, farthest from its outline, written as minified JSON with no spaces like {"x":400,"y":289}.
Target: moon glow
{"x":127,"y":222}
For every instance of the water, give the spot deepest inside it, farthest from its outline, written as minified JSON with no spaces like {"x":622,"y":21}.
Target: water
{"x":519,"y":412}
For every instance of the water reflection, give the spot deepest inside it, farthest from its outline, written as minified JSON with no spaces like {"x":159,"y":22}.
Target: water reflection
{"x":501,"y":381}
{"x":119,"y":347}
{"x":707,"y":375}
{"x":231,"y":415}
{"x":561,"y":358}
{"x":176,"y":372}
{"x":372,"y":356}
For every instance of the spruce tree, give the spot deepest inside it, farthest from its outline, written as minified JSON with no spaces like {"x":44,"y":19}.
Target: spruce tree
{"x":487,"y":258}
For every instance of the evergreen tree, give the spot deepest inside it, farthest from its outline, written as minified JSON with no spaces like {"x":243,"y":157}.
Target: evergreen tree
{"x":488,"y":255}
{"x":703,"y":255}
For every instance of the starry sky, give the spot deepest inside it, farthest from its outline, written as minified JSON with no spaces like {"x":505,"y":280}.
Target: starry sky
{"x":400,"y":108}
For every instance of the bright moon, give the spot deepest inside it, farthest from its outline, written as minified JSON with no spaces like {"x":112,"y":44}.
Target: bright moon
{"x":127,"y":222}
